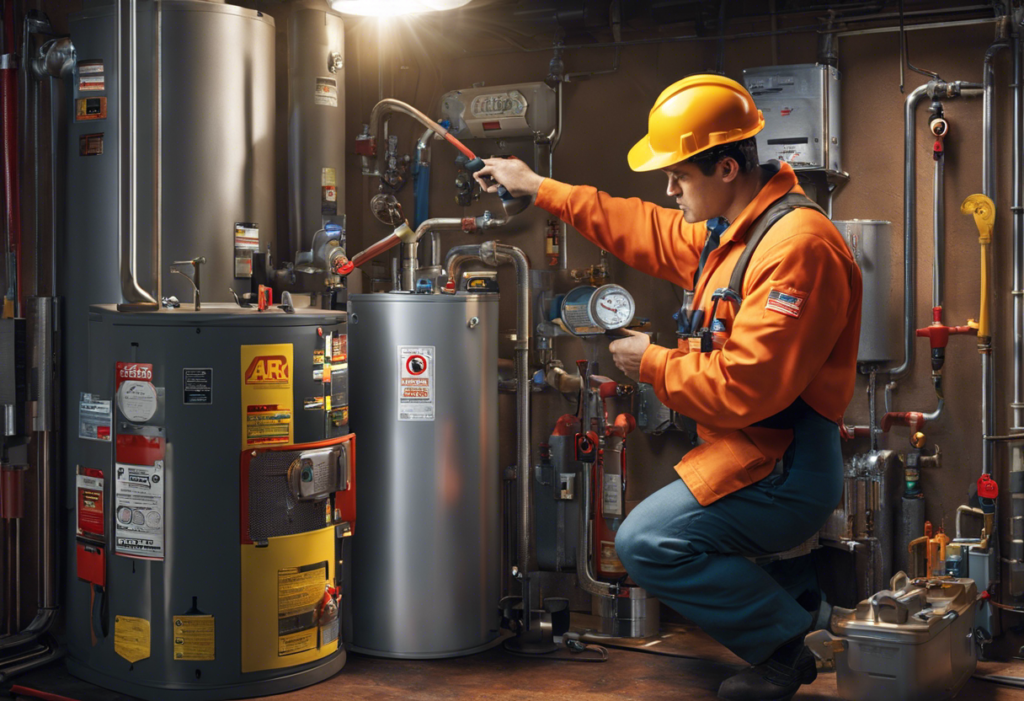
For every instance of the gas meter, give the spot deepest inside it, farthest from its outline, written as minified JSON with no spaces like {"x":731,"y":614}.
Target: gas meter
{"x":589,"y":310}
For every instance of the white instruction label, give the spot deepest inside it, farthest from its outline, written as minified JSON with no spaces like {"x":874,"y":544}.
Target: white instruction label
{"x":416,"y":383}
{"x":139,"y":510}
{"x":612,"y":498}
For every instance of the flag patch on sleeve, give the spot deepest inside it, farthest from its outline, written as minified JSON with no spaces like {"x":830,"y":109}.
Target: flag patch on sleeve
{"x":783,"y":303}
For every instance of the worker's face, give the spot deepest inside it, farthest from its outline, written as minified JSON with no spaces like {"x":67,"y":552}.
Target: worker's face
{"x":700,"y":196}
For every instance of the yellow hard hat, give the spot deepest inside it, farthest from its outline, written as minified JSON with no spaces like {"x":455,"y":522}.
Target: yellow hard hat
{"x":691,"y":116}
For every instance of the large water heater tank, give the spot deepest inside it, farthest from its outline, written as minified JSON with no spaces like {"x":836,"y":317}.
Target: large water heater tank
{"x":869,"y":241}
{"x":426,"y":565}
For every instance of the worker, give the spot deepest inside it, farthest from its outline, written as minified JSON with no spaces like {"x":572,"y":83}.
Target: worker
{"x":765,"y":363}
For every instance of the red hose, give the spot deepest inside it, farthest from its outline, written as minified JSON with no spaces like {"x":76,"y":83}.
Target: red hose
{"x":9,"y":109}
{"x":459,"y":145}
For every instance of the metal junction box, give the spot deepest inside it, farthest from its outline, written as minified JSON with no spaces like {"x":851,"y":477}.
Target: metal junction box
{"x":501,"y":111}
{"x":801,"y":113}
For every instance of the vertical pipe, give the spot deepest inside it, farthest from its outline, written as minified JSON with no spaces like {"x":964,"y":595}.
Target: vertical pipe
{"x":158,"y":146}
{"x":909,"y":224}
{"x":134,"y":297}
{"x":1018,"y":242}
{"x":938,"y":230}
{"x":872,"y":412}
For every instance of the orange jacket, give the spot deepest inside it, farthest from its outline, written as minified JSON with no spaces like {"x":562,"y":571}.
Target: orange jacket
{"x":777,"y":349}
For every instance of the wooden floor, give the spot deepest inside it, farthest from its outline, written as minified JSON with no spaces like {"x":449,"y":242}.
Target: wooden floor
{"x":682,"y":663}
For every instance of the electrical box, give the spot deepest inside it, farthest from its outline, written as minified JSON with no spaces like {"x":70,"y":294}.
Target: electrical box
{"x":501,"y":111}
{"x":800,"y":104}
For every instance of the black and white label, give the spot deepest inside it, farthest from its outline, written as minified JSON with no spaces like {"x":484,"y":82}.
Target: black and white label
{"x":197,"y":385}
{"x":94,"y":418}
{"x":416,"y":383}
{"x":139,"y":510}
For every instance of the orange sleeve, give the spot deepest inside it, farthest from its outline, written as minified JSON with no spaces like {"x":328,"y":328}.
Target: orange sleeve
{"x":770,"y":357}
{"x":655,"y":240}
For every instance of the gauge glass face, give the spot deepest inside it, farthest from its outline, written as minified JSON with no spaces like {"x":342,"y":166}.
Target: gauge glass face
{"x":613,"y":308}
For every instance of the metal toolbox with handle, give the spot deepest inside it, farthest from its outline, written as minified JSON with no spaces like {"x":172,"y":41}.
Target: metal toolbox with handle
{"x":914,"y":641}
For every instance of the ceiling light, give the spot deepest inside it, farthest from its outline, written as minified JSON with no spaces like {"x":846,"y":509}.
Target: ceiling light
{"x":393,"y":8}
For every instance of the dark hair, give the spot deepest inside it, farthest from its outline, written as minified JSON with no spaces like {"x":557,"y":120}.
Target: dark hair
{"x":744,"y":152}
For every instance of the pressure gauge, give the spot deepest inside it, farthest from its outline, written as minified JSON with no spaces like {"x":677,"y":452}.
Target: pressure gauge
{"x":589,"y":310}
{"x":612,"y":307}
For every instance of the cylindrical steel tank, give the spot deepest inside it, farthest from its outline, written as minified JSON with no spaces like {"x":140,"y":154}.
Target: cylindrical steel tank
{"x":880,"y":319}
{"x":426,"y":579}
{"x":217,"y":157}
{"x":222,"y":546}
{"x":316,"y":125}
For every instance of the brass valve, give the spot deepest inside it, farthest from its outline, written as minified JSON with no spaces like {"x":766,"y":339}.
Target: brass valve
{"x":917,"y":440}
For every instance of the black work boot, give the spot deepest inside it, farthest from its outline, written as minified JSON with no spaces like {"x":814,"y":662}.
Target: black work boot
{"x":770,"y":681}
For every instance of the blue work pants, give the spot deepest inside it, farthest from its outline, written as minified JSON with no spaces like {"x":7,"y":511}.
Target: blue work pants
{"x":694,"y":558}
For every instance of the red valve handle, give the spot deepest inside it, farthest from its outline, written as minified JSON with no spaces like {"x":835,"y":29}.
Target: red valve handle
{"x":937,"y":333}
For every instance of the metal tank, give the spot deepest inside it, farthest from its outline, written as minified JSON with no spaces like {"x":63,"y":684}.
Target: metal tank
{"x":184,"y":544}
{"x":426,"y":565}
{"x":216,"y":98}
{"x":869,"y":240}
{"x":316,"y":125}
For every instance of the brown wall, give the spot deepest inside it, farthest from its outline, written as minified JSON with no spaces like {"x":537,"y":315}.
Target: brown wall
{"x":604,"y":116}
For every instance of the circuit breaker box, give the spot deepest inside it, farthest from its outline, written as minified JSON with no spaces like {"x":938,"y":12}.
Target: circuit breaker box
{"x":801,"y":113}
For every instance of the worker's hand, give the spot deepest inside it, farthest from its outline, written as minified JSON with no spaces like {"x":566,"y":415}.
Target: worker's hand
{"x":627,"y":352}
{"x":515,"y":175}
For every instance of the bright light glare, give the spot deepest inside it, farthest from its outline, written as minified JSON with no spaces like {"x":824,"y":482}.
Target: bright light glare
{"x":393,"y":8}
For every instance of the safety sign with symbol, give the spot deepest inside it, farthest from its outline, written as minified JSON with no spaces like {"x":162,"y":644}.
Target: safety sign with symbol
{"x":416,"y":383}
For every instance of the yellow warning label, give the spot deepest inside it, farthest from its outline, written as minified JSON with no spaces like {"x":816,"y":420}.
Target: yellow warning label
{"x":328,"y":178}
{"x":299,"y":591}
{"x":194,"y":638}
{"x":131,"y":638}
{"x":296,"y":642}
{"x":267,"y":402}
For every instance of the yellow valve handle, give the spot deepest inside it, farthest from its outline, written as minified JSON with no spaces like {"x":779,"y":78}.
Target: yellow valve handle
{"x":984,"y":211}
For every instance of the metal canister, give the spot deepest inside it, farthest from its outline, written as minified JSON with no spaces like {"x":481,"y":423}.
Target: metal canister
{"x":424,"y":405}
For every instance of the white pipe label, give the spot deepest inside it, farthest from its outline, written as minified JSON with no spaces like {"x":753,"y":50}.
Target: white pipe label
{"x":416,"y":383}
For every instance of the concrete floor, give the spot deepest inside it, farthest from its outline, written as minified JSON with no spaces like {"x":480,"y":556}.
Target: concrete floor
{"x":659,"y":673}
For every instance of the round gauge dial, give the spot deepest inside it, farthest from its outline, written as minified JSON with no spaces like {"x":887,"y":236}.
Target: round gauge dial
{"x":612,"y":307}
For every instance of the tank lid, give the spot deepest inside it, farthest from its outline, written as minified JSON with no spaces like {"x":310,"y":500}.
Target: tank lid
{"x":220,"y":314}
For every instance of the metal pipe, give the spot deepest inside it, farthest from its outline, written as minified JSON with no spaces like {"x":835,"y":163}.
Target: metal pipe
{"x":909,"y":222}
{"x":382,"y":110}
{"x":872,"y":411}
{"x":1018,"y":238}
{"x":134,"y":297}
{"x":158,"y":145}
{"x":494,"y":254}
{"x":410,"y":259}
{"x":938,"y":230}
{"x":584,"y":579}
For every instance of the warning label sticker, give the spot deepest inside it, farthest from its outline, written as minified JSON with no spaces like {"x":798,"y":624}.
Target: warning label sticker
{"x":299,"y":591}
{"x":267,"y":400}
{"x":326,"y":92}
{"x":416,"y":383}
{"x":93,"y":418}
{"x":194,"y":638}
{"x":131,"y":638}
{"x":139,"y":510}
{"x":89,"y":484}
{"x":612,"y":493}
{"x":197,"y":385}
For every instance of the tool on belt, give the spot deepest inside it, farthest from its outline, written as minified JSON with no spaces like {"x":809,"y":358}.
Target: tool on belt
{"x":690,"y":323}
